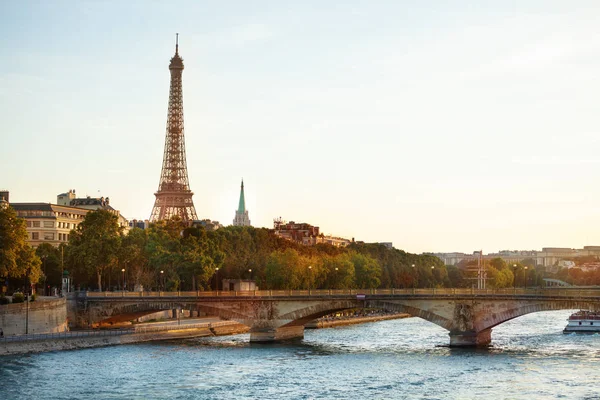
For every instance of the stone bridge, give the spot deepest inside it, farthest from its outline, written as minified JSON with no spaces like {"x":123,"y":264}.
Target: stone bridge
{"x":469,"y":315}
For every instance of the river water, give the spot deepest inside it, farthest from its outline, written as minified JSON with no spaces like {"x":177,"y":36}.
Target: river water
{"x":530,"y":359}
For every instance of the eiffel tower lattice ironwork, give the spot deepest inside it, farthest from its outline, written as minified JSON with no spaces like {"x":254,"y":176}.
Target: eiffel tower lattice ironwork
{"x":174,"y":197}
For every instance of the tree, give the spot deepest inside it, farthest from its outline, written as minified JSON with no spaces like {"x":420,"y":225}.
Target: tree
{"x":282,"y":270}
{"x":134,"y":259}
{"x":367,"y":271}
{"x":94,"y":245}
{"x":51,"y":266}
{"x":17,"y":258}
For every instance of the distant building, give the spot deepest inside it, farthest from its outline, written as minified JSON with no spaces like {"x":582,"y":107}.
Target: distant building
{"x":52,"y":223}
{"x":389,"y":245}
{"x":49,"y":223}
{"x":91,"y":203}
{"x":241,"y":215}
{"x":4,"y":198}
{"x":208,"y":224}
{"x":238,"y":285}
{"x":305,"y":234}
{"x":547,"y":257}
{"x":302,"y":233}
{"x":334,"y":241}
{"x":140,"y":224}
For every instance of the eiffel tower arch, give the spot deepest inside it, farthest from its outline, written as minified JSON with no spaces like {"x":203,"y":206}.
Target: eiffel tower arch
{"x":174,"y":197}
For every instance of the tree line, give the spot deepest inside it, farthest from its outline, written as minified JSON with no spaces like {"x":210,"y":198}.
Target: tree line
{"x":172,"y":256}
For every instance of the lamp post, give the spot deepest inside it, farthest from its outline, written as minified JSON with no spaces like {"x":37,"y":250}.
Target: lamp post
{"x":414,"y":276}
{"x":514,"y":276}
{"x":44,"y":262}
{"x":161,"y":281}
{"x":123,"y":282}
{"x":432,"y":277}
{"x":336,"y":276}
{"x":309,"y":277}
{"x":526,"y":277}
{"x":217,"y":278}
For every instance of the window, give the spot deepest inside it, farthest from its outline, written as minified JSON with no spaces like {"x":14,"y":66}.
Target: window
{"x":36,"y":224}
{"x":48,"y":236}
{"x":29,"y":224}
{"x":48,"y":224}
{"x":35,"y":236}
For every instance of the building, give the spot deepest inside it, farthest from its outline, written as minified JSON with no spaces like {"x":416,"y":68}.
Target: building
{"x":305,"y":234}
{"x":333,"y":240}
{"x":208,"y":224}
{"x":4,"y":197}
{"x":238,"y":285}
{"x":52,"y":223}
{"x":241,"y":215}
{"x":302,"y":233}
{"x":91,"y":203}
{"x":547,"y":257}
{"x":140,"y":224}
{"x":49,"y":223}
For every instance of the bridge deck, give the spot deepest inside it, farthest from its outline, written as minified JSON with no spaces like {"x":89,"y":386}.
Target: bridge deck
{"x":571,"y":292}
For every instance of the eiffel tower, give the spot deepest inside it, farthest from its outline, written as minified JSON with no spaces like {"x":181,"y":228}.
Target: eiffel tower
{"x":174,"y":197}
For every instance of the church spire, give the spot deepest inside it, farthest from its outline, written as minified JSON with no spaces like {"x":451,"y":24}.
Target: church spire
{"x":241,"y":215}
{"x":242,"y":205}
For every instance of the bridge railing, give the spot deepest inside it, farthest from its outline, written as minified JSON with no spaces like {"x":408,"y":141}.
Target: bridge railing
{"x":560,"y":292}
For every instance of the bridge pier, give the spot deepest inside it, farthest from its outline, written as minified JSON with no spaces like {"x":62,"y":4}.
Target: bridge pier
{"x":269,"y":335}
{"x":470,"y":338}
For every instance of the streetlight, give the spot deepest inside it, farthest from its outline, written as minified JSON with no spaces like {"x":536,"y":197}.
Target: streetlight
{"x":161,"y":280}
{"x":250,"y":272}
{"x":526,"y":277}
{"x":123,"y":271}
{"x":309,"y":276}
{"x":217,"y":278}
{"x":336,"y":276}
{"x":414,"y":276}
{"x":44,"y":262}
{"x":514,"y":276}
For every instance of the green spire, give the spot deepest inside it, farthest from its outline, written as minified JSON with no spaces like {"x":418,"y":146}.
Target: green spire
{"x":242,"y":205}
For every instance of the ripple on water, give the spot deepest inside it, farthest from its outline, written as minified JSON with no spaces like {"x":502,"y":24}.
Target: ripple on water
{"x":530,"y":358}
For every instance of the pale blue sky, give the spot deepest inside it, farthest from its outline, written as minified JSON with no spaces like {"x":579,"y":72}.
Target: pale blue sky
{"x":436,"y":125}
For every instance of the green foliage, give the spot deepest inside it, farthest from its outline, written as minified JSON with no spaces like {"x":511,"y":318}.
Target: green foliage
{"x":51,"y":264}
{"x":4,"y":300}
{"x":17,"y":258}
{"x":367,"y":271}
{"x":32,"y":297}
{"x":189,"y":258}
{"x":94,"y":246}
{"x":18,"y":297}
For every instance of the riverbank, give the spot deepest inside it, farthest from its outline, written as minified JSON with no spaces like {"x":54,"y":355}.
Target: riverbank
{"x":326,"y":323}
{"x":73,"y":343}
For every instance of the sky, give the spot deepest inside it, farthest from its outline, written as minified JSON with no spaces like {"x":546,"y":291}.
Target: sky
{"x":439,"y":126}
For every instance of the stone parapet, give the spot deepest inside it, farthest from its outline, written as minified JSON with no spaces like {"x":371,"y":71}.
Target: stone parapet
{"x":45,"y":315}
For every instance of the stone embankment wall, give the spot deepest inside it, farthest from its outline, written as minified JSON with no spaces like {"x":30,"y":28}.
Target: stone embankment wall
{"x":7,"y":347}
{"x":352,"y":320}
{"x":41,"y":316}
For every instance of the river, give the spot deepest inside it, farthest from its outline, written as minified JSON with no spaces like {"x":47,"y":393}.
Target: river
{"x":405,"y":358}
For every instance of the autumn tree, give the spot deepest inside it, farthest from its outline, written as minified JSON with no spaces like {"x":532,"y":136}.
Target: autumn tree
{"x":17,"y":258}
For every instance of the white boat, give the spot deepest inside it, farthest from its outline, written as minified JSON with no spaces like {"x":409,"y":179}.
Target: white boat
{"x":583,"y":322}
